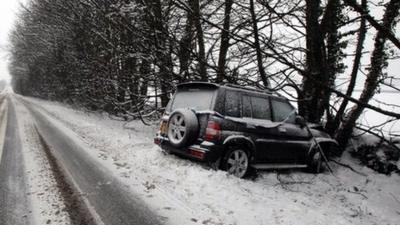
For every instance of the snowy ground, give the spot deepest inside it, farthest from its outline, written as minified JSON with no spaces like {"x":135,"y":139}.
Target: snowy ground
{"x":185,"y":192}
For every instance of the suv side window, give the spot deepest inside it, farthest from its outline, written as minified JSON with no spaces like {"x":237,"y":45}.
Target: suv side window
{"x":246,"y":104}
{"x":232,"y":103}
{"x":283,"y":110}
{"x":261,"y":108}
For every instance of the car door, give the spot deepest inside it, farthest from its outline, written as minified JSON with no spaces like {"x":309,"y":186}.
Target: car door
{"x":294,"y":139}
{"x":257,"y":114}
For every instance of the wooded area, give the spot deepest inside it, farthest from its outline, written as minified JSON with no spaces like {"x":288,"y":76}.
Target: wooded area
{"x":123,"y":56}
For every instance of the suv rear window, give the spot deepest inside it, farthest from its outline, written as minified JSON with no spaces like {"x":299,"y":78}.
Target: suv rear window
{"x":232,"y":104}
{"x":197,"y":99}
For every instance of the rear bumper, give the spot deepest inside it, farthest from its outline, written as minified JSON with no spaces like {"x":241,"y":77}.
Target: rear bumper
{"x":204,"y":151}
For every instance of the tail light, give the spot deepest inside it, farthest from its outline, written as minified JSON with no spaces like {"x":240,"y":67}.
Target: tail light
{"x":163,"y":127}
{"x":213,"y":131}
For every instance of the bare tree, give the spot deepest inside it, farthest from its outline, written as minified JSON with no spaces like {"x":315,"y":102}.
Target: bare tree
{"x":378,"y":59}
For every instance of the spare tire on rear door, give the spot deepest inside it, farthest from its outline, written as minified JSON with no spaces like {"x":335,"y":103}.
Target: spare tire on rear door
{"x":183,"y":127}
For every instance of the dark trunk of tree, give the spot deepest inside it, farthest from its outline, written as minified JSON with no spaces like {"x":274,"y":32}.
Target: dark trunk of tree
{"x":145,"y":72}
{"x":223,"y":50}
{"x":257,"y":47}
{"x":186,"y":46}
{"x":200,"y":40}
{"x":333,"y":49}
{"x":162,"y":56}
{"x":133,"y":80}
{"x":334,"y":125}
{"x":315,"y":95}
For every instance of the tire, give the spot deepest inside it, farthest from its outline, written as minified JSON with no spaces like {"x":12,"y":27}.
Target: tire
{"x":315,"y":164}
{"x":237,"y":162}
{"x":183,"y":128}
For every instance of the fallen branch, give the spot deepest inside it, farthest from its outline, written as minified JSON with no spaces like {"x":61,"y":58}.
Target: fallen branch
{"x":283,"y":182}
{"x":397,"y":200}
{"x":355,"y":192}
{"x":381,"y":137}
{"x":349,"y":167}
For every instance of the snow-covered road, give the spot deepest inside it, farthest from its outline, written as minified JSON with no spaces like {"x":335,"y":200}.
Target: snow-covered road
{"x":97,"y":198}
{"x":106,"y":197}
{"x":120,"y":177}
{"x":13,"y":197}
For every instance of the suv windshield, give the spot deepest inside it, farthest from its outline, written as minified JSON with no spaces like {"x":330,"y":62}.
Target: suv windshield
{"x":197,"y":99}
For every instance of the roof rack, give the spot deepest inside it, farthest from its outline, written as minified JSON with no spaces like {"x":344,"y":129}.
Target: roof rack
{"x":249,"y":88}
{"x":259,"y":90}
{"x":197,"y":83}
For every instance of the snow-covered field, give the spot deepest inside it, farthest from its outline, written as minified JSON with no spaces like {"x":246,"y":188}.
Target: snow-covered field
{"x":186,"y":192}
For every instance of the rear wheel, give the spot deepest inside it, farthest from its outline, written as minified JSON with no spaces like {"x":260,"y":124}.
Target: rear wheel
{"x":236,"y":162}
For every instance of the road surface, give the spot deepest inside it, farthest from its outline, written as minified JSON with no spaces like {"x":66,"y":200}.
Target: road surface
{"x":90,"y":193}
{"x":13,"y":194}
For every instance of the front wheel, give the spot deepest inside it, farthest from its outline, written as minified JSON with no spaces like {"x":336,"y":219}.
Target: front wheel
{"x":236,"y":162}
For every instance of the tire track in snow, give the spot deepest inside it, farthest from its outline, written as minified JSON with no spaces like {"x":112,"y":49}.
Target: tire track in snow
{"x":13,"y":195}
{"x":75,"y":206}
{"x":3,"y":122}
{"x":47,"y":203}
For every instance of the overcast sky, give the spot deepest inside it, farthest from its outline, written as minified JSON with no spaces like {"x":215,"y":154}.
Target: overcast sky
{"x":8,"y":10}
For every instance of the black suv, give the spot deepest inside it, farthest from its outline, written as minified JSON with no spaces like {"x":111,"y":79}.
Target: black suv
{"x":239,"y":128}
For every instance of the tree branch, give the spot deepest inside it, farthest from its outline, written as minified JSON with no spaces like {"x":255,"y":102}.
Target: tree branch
{"x":384,"y":30}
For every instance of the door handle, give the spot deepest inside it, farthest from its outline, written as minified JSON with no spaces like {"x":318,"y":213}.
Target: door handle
{"x":282,"y":129}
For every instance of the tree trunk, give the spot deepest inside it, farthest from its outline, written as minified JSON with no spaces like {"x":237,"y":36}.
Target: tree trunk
{"x":260,"y":65}
{"x":334,"y":125}
{"x":145,"y":72}
{"x":315,"y":95}
{"x":162,"y":54}
{"x":223,"y":50}
{"x":133,"y":80}
{"x":200,"y":40}
{"x":185,"y":46}
{"x":334,"y":55}
{"x":378,"y":60}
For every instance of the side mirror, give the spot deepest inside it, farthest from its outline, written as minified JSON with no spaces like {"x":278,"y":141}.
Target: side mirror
{"x":300,"y":121}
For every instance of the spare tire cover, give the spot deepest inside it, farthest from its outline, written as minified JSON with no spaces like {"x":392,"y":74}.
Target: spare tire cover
{"x":183,"y":127}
